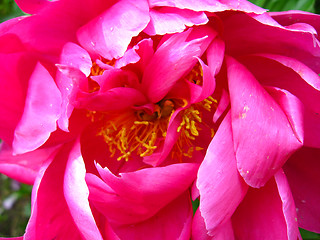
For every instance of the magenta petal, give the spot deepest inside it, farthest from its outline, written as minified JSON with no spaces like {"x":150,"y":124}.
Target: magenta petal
{"x":302,"y":171}
{"x":263,"y":137}
{"x":41,"y":111}
{"x":113,"y":99}
{"x":306,"y":124}
{"x":220,"y":185}
{"x":110,"y":34}
{"x":171,"y":222}
{"x":260,"y":215}
{"x":215,"y":55}
{"x":288,"y":207}
{"x":50,"y":215}
{"x":209,"y":5}
{"x":32,"y":6}
{"x":136,"y":196}
{"x":24,"y":167}
{"x":76,"y":194}
{"x":173,"y":59}
{"x":304,"y":71}
{"x":170,"y":20}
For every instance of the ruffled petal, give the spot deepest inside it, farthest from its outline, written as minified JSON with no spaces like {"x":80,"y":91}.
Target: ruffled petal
{"x":260,"y":215}
{"x":179,"y":211}
{"x":306,"y":123}
{"x":302,"y":171}
{"x":41,"y":112}
{"x":174,"y":59}
{"x":136,"y":196}
{"x":220,"y":185}
{"x":23,"y":168}
{"x":32,"y":6}
{"x":263,"y":137}
{"x":166,"y":20}
{"x":209,"y":5}
{"x":110,"y":34}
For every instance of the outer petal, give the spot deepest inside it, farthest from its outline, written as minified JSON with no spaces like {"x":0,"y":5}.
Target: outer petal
{"x":41,"y":111}
{"x":32,"y":6}
{"x":136,"y":196}
{"x":110,"y":34}
{"x":24,"y":168}
{"x":169,"y":20}
{"x":263,"y":137}
{"x":53,"y":214}
{"x":305,"y":123}
{"x":261,"y":214}
{"x":76,"y":194}
{"x":220,"y":185}
{"x":302,"y":171}
{"x":171,"y":222}
{"x":209,"y":5}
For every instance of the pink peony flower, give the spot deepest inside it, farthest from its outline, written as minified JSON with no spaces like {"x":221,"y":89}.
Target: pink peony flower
{"x":121,"y":112}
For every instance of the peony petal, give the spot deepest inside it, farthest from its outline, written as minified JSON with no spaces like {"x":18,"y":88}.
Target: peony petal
{"x":305,"y":123}
{"x":115,"y":99}
{"x":263,"y":137}
{"x":215,"y":55}
{"x":179,"y":211}
{"x":260,"y":215}
{"x":32,"y":6}
{"x":172,"y":60}
{"x":302,"y":171}
{"x":288,"y":207}
{"x":220,"y":185}
{"x":75,"y":64}
{"x":13,"y":90}
{"x":137,"y":196}
{"x":209,"y":5}
{"x":166,"y":20}
{"x":110,"y":34}
{"x":24,"y":167}
{"x":41,"y":111}
{"x":76,"y":195}
{"x":50,"y":216}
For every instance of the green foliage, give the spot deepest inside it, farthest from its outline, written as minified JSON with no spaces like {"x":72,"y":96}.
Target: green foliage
{"x":284,"y":5}
{"x":8,"y":10}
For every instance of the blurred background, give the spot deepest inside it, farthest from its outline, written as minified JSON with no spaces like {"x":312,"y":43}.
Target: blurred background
{"x":15,"y":206}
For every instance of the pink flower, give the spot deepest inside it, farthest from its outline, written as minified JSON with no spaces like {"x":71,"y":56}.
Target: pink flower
{"x":110,"y":108}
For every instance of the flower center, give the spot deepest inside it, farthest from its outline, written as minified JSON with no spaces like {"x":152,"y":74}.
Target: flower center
{"x":142,"y":131}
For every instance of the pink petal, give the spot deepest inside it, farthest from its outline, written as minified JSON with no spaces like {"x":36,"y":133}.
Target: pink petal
{"x":215,"y":55}
{"x":50,"y":216}
{"x":284,"y":78}
{"x":263,"y":137}
{"x":304,"y":71}
{"x":288,"y":207}
{"x":76,"y":195}
{"x":114,"y":99}
{"x":136,"y":196}
{"x":166,"y":20}
{"x":220,"y":185}
{"x":199,"y":231}
{"x":13,"y":91}
{"x":110,"y":34}
{"x":41,"y":111}
{"x":306,"y":123}
{"x":24,"y":167}
{"x":302,"y":171}
{"x":173,"y":59}
{"x":209,"y":5}
{"x":72,"y":58}
{"x":171,"y":222}
{"x":32,"y":6}
{"x":260,"y":215}
{"x":276,"y":40}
